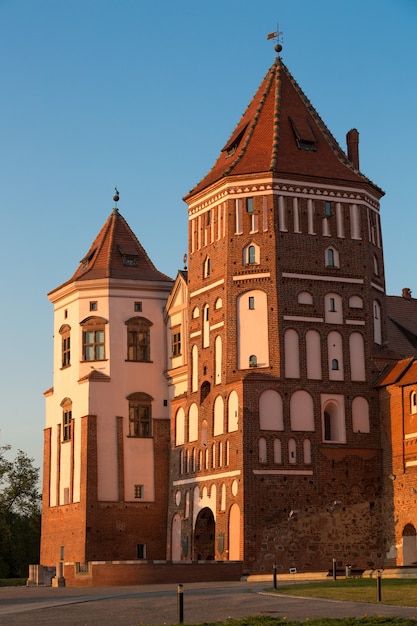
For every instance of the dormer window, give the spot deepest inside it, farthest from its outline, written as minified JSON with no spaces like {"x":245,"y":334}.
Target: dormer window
{"x":130,"y":257}
{"x":304,"y":134}
{"x":231,"y":147}
{"x":85,"y":262}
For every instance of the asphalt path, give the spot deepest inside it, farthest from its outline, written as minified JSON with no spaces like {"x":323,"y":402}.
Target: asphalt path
{"x":159,"y":604}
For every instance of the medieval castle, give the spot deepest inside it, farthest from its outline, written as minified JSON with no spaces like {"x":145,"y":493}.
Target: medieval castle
{"x":261,"y":408}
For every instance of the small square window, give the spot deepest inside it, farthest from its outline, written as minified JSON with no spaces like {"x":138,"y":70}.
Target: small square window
{"x":138,"y":491}
{"x":93,"y":305}
{"x":138,"y":307}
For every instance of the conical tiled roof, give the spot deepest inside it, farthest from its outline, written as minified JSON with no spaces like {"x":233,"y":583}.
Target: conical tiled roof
{"x":281,"y":132}
{"x":116,"y":253}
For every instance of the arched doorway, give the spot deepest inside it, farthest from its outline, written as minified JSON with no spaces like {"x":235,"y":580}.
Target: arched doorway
{"x":409,"y":545}
{"x":204,"y":534}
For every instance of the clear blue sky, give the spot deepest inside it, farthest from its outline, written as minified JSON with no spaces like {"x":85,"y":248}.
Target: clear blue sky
{"x":142,"y":95}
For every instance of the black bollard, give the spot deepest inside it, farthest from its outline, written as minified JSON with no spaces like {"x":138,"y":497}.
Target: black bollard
{"x":180,"y":604}
{"x":378,"y":586}
{"x":275,"y":576}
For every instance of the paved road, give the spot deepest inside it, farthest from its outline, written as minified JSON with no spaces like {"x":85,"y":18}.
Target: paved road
{"x":158,"y":604}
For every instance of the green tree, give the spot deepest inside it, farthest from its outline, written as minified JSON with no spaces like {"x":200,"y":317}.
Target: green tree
{"x":20,"y":510}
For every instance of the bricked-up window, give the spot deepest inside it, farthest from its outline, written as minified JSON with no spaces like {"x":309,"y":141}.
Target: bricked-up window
{"x":138,"y":339}
{"x":138,"y":491}
{"x":65,"y":332}
{"x":176,"y":341}
{"x":140,"y":414}
{"x":66,"y":405}
{"x":93,"y":338}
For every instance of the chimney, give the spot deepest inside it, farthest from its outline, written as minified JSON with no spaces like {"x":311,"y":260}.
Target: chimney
{"x":406,"y":293}
{"x":352,"y":140}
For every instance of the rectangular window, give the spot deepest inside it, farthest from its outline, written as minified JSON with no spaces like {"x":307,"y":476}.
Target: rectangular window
{"x":249,"y":205}
{"x":138,"y":307}
{"x":139,"y":421}
{"x":328,"y":208}
{"x":93,"y":345}
{"x":141,"y":551}
{"x":66,"y":351}
{"x":138,"y":345}
{"x":66,"y":433}
{"x":251,"y":302}
{"x":93,"y":306}
{"x":332,"y":305}
{"x":138,"y":491}
{"x":176,"y":342}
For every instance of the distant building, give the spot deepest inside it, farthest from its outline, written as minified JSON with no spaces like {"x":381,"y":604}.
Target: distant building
{"x":270,"y":355}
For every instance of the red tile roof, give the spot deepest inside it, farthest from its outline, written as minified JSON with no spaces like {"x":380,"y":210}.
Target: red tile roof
{"x":402,"y":325}
{"x":116,"y":253}
{"x":281,"y":132}
{"x":394,"y":373}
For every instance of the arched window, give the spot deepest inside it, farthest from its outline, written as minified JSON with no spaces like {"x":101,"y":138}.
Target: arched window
{"x":65,"y":332}
{"x":277,"y":451}
{"x":335,"y":355}
{"x":413,"y":402}
{"x":332,"y":257}
{"x":292,"y":451}
{"x":262,"y":450}
{"x":138,"y":339}
{"x":253,"y":361}
{"x":218,"y":360}
{"x":360,"y":415}
{"x":193,"y":422}
{"x":93,"y":338}
{"x":333,"y":422}
{"x":292,"y":357}
{"x":206,"y":267}
{"x":251,"y":254}
{"x":307,"y":451}
{"x":377,"y":323}
{"x":204,"y":391}
{"x":270,"y":410}
{"x":194,"y":368}
{"x":302,"y":411}
{"x":179,"y":427}
{"x":66,"y":405}
{"x":218,"y":427}
{"x":232,"y":412}
{"x":140,"y":417}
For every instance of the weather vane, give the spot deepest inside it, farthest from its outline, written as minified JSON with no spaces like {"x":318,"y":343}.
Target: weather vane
{"x":278,"y":36}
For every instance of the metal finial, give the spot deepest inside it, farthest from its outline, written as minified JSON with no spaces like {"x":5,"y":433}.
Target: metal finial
{"x":276,"y":35}
{"x":185,"y":258}
{"x":116,"y":197}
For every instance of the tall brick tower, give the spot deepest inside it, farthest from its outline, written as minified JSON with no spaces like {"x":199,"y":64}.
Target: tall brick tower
{"x":107,"y":416}
{"x":275,"y":434}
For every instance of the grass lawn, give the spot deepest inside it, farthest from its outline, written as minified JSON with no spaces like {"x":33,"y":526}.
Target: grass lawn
{"x":396,"y":591}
